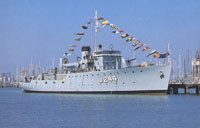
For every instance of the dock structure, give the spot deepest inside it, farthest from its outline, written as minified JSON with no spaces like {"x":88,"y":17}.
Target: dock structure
{"x":174,"y":88}
{"x":9,"y":85}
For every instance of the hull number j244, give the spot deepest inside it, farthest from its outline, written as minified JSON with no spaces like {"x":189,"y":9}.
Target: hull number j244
{"x":107,"y":79}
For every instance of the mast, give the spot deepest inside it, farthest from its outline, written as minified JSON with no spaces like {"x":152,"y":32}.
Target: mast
{"x":169,"y":59}
{"x":188,"y":63}
{"x":179,"y":67}
{"x":96,"y":24}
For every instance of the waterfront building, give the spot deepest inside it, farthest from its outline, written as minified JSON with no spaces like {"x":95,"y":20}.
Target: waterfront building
{"x":3,"y":76}
{"x":8,"y":78}
{"x":196,"y":66}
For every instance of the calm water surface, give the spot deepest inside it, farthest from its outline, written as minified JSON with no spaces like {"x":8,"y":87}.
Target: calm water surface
{"x":37,"y":110}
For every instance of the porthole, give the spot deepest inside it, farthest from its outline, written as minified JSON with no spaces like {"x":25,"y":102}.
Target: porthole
{"x":45,"y":82}
{"x":141,"y":71}
{"x":133,"y":72}
{"x":125,"y":72}
{"x":54,"y":82}
{"x":63,"y":82}
{"x":35,"y":82}
{"x":110,"y":73}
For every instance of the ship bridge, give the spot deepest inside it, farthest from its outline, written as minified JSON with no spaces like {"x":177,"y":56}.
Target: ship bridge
{"x":107,"y":59}
{"x":107,"y":53}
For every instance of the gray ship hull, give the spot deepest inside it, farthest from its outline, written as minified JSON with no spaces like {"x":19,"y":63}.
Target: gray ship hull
{"x":151,"y":80}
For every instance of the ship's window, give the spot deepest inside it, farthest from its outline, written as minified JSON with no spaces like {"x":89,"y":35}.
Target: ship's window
{"x":63,"y":82}
{"x":134,"y":82}
{"x":132,"y":71}
{"x":104,"y":74}
{"x":69,"y":76}
{"x":54,"y":82}
{"x":117,"y":72}
{"x":125,"y":72}
{"x":86,"y":75}
{"x":141,"y":71}
{"x":97,"y":74}
{"x":83,"y":75}
{"x":80,"y":75}
{"x":45,"y":82}
{"x":110,"y":73}
{"x":123,"y":82}
{"x":36,"y":82}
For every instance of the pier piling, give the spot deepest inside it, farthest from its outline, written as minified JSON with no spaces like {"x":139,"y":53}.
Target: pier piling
{"x":186,"y":87}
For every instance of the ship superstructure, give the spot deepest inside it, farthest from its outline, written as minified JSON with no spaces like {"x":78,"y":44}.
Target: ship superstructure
{"x":103,"y":71}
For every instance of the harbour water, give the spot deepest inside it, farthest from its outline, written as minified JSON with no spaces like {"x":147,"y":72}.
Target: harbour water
{"x":38,"y":110}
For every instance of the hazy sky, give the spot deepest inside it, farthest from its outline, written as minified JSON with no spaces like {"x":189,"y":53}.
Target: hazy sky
{"x":41,"y":29}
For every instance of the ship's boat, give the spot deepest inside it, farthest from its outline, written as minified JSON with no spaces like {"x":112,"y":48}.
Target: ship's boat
{"x":103,"y":71}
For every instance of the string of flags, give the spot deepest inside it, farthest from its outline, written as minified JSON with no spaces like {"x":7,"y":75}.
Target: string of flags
{"x":123,"y":36}
{"x":67,"y":54}
{"x":117,"y":32}
{"x":151,"y":53}
{"x":138,"y":47}
{"x":23,"y":71}
{"x":78,"y":39}
{"x":84,"y":27}
{"x":73,"y":46}
{"x":80,"y":33}
{"x":129,"y":39}
{"x":154,"y":52}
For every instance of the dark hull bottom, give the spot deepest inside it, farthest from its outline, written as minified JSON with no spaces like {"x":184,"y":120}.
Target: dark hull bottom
{"x":149,"y":92}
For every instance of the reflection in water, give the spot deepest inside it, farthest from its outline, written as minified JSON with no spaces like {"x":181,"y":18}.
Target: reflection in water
{"x":97,"y":110}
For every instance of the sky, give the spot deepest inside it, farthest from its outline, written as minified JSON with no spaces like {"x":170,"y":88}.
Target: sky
{"x":42,"y":29}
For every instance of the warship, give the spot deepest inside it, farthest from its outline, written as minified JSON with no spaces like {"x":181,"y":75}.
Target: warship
{"x":103,"y":71}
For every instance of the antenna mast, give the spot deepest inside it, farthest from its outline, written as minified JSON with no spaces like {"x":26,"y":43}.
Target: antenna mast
{"x":96,"y":24}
